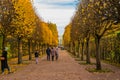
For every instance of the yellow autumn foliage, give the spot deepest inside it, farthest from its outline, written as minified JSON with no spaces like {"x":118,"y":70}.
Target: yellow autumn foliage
{"x":24,"y":20}
{"x":66,"y":36}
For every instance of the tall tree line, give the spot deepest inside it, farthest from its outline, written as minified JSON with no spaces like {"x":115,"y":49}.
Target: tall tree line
{"x":22,"y":31}
{"x":94,"y":19}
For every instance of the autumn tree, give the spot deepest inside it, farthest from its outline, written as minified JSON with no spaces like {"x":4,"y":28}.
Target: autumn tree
{"x":22,"y":22}
{"x":79,"y":27}
{"x":6,"y":16}
{"x":43,"y":35}
{"x":103,"y":20}
{"x":86,"y":26}
{"x":95,"y":17}
{"x":66,"y":36}
{"x":53,"y":28}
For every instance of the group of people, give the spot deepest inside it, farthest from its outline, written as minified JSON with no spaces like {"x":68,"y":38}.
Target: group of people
{"x":52,"y":53}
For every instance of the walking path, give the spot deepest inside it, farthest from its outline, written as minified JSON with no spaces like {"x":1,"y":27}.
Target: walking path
{"x":66,"y":68}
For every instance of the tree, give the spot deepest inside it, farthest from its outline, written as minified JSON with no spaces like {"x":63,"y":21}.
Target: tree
{"x":66,"y":36}
{"x":102,"y":22}
{"x":22,"y":22}
{"x":53,"y":28}
{"x":95,"y":17}
{"x":6,"y":16}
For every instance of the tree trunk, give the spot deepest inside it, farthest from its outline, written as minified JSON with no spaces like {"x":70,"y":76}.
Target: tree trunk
{"x":29,"y":49}
{"x":103,"y":53}
{"x":19,"y":51}
{"x":82,"y":54}
{"x":71,"y":47}
{"x":98,"y":62}
{"x":74,"y":49}
{"x":39,"y":47}
{"x":35,"y":46}
{"x":4,"y":42}
{"x":42,"y":49}
{"x":32,"y":46}
{"x":78,"y":48}
{"x":87,"y":51}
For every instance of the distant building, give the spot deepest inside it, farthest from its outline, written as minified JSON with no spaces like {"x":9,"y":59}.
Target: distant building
{"x":60,"y":40}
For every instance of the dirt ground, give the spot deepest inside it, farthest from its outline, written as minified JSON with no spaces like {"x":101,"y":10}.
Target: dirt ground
{"x":66,"y":68}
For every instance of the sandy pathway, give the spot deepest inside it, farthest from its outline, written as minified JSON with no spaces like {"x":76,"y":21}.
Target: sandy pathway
{"x":66,"y":68}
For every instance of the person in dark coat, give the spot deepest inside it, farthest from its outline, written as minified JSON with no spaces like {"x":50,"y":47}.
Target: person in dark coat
{"x":36,"y":56}
{"x":4,"y":63}
{"x":48,"y":51}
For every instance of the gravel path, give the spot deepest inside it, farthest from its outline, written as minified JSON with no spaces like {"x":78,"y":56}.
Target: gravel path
{"x":66,"y":68}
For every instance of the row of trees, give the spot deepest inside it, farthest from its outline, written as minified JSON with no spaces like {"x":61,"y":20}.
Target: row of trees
{"x":20,"y":27}
{"x":93,"y":20}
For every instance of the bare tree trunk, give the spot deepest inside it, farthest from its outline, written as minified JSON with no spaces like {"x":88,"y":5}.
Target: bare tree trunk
{"x":3,"y":41}
{"x":103,"y":53}
{"x":35,"y":46}
{"x":98,"y":62}
{"x":87,"y":51}
{"x":71,"y":45}
{"x":29,"y":49}
{"x":39,"y":46}
{"x":82,"y":54}
{"x":78,"y":48}
{"x":19,"y":51}
{"x":74,"y":49}
{"x":68,"y":48}
{"x":32,"y":47}
{"x":42,"y":49}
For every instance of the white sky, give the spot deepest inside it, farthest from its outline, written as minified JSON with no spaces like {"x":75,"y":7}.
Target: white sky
{"x":59,"y":12}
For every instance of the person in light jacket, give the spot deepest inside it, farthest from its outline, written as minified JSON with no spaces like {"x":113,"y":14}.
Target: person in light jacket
{"x":52,"y":53}
{"x":56,"y":53}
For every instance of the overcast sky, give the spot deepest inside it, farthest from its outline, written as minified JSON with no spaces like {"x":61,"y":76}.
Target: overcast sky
{"x":59,"y":12}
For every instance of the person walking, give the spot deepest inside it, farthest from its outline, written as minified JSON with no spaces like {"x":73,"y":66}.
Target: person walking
{"x":36,"y":56}
{"x":48,"y":51}
{"x":4,"y":62}
{"x":52,"y":53}
{"x":56,"y":53}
